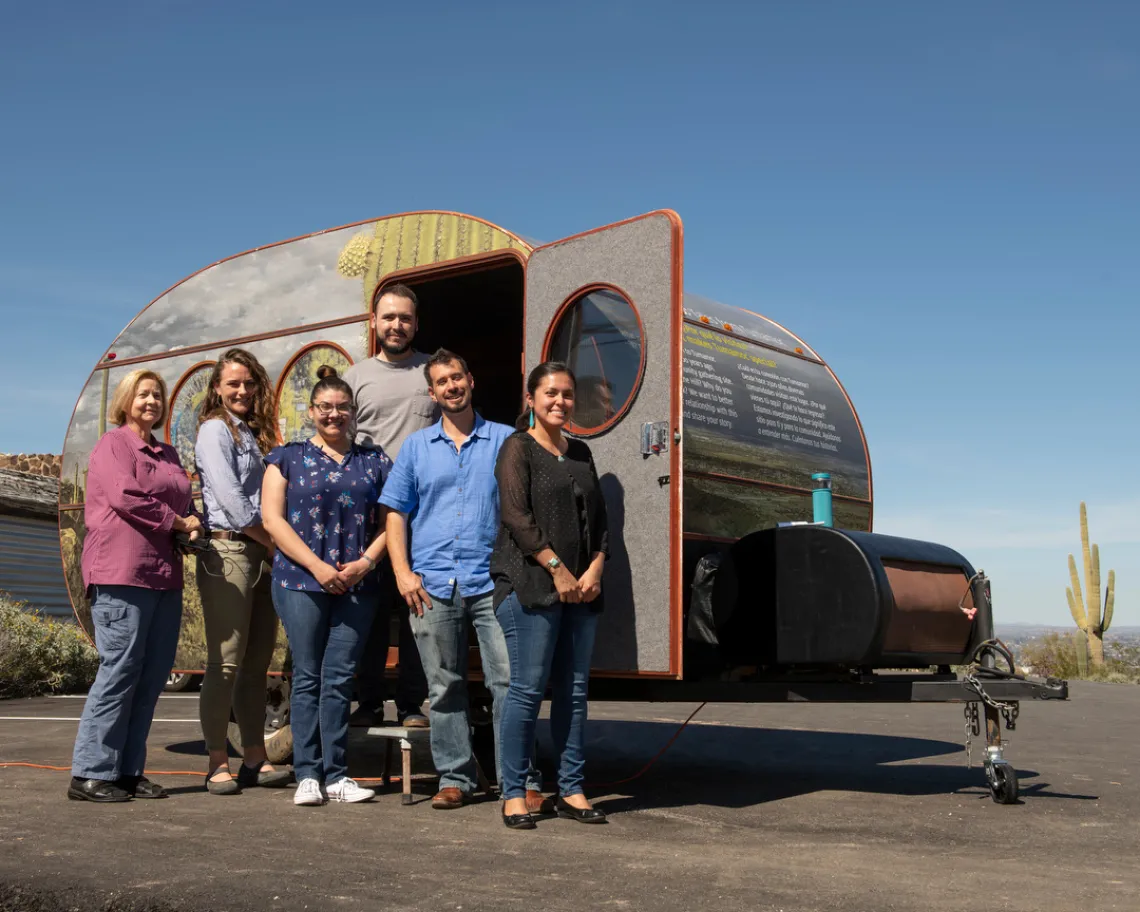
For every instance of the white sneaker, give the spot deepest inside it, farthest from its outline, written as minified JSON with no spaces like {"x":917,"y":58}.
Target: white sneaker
{"x":308,"y":792}
{"x":347,"y":790}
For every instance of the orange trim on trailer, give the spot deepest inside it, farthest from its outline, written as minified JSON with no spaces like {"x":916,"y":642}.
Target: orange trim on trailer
{"x":635,"y":675}
{"x":677,"y":609}
{"x":735,"y":335}
{"x":300,"y":237}
{"x":700,"y":536}
{"x":573,"y":298}
{"x":668,"y":213}
{"x":226,"y":343}
{"x":814,"y":357}
{"x":818,"y":359}
{"x":866,"y":451}
{"x":174,"y":395}
{"x":676,"y":553}
{"x":472,"y":263}
{"x":444,"y":269}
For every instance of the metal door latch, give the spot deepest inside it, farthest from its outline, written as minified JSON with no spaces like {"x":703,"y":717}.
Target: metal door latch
{"x":654,"y":438}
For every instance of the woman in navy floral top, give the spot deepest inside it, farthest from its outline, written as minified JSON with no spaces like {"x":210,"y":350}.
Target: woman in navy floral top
{"x":320,"y":503}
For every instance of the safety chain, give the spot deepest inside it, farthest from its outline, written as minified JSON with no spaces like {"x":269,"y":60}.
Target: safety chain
{"x":1009,"y":711}
{"x":973,"y":729}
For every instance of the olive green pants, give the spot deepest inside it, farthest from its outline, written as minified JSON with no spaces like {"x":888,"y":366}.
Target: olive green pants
{"x":241,"y":632}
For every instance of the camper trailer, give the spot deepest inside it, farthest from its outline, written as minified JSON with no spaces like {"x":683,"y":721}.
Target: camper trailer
{"x":707,"y":423}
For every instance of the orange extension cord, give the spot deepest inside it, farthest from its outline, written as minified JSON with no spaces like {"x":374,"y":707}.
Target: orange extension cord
{"x":641,"y":772}
{"x":62,"y":769}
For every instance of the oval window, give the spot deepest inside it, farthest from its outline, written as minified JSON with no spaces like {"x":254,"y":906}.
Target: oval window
{"x":598,"y":334}
{"x":296,"y":384}
{"x":185,"y":404}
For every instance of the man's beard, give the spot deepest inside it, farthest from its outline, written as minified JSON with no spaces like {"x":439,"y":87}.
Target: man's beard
{"x":395,"y":349}
{"x":454,"y":406}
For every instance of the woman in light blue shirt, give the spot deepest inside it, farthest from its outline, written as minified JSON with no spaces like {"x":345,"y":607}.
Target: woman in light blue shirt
{"x":235,"y":431}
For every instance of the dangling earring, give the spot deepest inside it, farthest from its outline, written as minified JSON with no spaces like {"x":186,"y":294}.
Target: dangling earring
{"x":532,"y":418}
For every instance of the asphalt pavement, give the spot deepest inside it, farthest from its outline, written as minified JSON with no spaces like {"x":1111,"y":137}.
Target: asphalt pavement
{"x":759,"y":807}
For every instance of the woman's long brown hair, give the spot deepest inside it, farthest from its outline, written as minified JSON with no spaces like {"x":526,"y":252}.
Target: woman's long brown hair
{"x":260,"y":419}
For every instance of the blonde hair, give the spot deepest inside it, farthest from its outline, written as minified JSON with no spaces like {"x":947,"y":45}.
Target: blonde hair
{"x":125,"y":392}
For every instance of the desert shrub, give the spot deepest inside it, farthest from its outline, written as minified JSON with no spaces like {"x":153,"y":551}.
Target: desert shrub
{"x":1055,"y":655}
{"x":40,"y":655}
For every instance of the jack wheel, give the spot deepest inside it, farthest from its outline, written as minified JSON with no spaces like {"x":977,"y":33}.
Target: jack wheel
{"x":1003,"y":783}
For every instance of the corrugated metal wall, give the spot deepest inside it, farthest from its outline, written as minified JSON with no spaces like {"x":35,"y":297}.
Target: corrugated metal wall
{"x":30,"y":568}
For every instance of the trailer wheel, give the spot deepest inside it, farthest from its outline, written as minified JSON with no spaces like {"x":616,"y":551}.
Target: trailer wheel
{"x":278,"y":733}
{"x":1003,"y":783}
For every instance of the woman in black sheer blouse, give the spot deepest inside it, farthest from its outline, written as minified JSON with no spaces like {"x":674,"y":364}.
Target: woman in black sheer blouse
{"x":547,"y":567}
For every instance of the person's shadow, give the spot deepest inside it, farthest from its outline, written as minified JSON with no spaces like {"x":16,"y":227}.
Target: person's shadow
{"x":728,"y":765}
{"x":615,"y":645}
{"x":736,"y":766}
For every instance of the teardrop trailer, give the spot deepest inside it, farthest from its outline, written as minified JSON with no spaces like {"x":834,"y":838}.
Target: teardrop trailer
{"x":707,"y":423}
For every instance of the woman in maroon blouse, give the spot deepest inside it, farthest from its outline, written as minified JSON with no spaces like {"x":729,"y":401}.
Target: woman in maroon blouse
{"x":138,"y":497}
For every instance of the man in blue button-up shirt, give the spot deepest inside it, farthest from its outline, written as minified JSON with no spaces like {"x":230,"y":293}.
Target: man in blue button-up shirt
{"x":443,"y":495}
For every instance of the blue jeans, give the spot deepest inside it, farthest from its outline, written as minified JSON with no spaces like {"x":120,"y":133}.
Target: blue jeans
{"x":371,"y":671}
{"x":136,"y":633}
{"x":441,"y":637}
{"x":552,"y":645}
{"x":326,"y":635}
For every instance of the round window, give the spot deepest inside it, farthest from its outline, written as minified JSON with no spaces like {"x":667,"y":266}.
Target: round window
{"x":598,"y":334}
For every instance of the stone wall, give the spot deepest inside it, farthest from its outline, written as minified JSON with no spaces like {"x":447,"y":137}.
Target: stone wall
{"x":33,"y":463}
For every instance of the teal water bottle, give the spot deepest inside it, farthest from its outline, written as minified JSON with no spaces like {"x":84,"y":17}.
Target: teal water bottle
{"x":821,"y":498}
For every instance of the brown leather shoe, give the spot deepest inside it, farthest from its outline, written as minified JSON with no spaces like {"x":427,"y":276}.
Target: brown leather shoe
{"x":448,"y":799}
{"x":414,"y":720}
{"x":537,"y":804}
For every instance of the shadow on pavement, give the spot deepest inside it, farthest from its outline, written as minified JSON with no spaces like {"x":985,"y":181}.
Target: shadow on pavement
{"x":727,"y":766}
{"x":734,"y":766}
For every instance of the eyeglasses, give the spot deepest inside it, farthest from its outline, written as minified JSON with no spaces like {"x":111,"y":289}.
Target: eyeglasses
{"x":324,"y":409}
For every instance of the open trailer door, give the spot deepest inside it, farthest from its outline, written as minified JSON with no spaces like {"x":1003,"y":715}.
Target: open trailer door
{"x":608,"y":302}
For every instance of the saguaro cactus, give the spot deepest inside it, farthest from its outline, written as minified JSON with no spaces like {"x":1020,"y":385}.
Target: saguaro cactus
{"x":1086,"y":609}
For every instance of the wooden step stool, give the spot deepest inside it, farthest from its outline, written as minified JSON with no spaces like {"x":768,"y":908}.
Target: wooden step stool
{"x":407,"y":737}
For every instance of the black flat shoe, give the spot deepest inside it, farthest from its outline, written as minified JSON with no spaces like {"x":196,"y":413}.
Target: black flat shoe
{"x":582,"y":815}
{"x":248,"y":777}
{"x":519,"y":821}
{"x":96,"y":790}
{"x":141,"y":787}
{"x":223,"y":787}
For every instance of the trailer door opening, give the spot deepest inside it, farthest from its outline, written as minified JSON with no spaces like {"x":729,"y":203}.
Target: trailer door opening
{"x":478,"y":314}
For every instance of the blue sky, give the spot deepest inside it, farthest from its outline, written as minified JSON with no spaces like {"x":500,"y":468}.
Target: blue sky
{"x":943,"y":200}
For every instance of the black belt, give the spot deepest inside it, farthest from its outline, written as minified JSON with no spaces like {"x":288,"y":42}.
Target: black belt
{"x":227,"y":535}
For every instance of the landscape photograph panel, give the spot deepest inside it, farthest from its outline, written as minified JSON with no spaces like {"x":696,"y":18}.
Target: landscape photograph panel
{"x":723,"y":509}
{"x":761,"y":415}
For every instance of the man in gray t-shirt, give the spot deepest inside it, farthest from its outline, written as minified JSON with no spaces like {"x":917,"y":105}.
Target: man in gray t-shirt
{"x":392,"y":401}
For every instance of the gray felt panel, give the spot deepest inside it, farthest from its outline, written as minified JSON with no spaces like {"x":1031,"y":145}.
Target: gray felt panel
{"x":636,"y":257}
